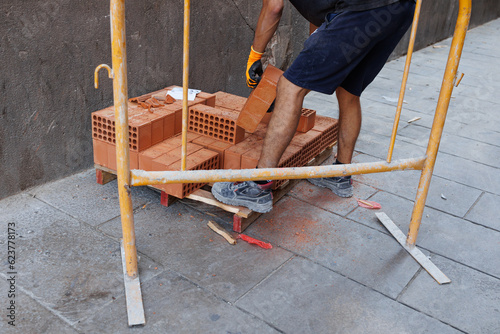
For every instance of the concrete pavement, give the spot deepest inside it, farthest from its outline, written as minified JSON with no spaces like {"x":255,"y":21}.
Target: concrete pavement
{"x":333,"y":269}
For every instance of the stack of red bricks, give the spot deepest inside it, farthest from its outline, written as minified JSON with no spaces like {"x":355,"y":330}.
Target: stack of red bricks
{"x":223,"y":133}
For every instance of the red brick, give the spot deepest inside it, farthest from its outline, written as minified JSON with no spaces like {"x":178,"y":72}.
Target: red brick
{"x":146,"y":157}
{"x":291,"y":157}
{"x":190,"y":148}
{"x":329,"y":129}
{"x":100,"y":152}
{"x":229,"y":101}
{"x":260,"y":99}
{"x":178,"y":122}
{"x":162,"y":162}
{"x":192,"y":136}
{"x":134,"y":160}
{"x":168,"y":125}
{"x":307,"y":120}
{"x":209,"y":98}
{"x":103,"y":125}
{"x":111,"y":156}
{"x":250,"y":159}
{"x":219,"y":147}
{"x":200,"y":160}
{"x":215,"y":123}
{"x":139,"y":133}
{"x":267,"y":118}
{"x":311,"y":144}
{"x":169,"y":99}
{"x":204,"y":141}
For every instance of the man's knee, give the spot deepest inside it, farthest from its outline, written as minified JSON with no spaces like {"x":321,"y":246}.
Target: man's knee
{"x":286,"y":88}
{"x":344,"y":96}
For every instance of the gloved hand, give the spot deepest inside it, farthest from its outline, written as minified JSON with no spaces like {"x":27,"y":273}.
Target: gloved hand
{"x":254,"y":68}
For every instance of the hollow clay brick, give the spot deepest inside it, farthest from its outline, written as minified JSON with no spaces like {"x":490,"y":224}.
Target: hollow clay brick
{"x":229,"y":101}
{"x":329,"y":129}
{"x":307,"y":120}
{"x":219,"y":147}
{"x":215,"y":123}
{"x":267,"y":118}
{"x":162,"y":162}
{"x":201,"y":160}
{"x":103,"y":124}
{"x":232,"y":155}
{"x":100,"y":152}
{"x":111,"y":157}
{"x":190,"y":148}
{"x":209,"y":98}
{"x":260,"y":99}
{"x":250,"y":159}
{"x":204,"y":141}
{"x":168,"y":125}
{"x":146,"y":157}
{"x":134,"y":160}
{"x":140,"y":133}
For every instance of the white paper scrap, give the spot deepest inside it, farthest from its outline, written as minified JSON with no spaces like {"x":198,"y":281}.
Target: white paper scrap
{"x":177,"y":93}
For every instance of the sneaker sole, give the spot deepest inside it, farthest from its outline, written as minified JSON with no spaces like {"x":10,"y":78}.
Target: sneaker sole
{"x":260,"y":208}
{"x":345,"y":194}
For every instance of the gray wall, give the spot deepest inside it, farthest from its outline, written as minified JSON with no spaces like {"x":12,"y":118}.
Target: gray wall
{"x":49,"y":50}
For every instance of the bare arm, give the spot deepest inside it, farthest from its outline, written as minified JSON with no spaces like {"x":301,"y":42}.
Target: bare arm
{"x":269,"y":19}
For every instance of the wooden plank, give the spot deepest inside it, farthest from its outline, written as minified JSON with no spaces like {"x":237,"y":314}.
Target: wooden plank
{"x":207,"y":197}
{"x":133,"y":295}
{"x":220,"y":231}
{"x":414,"y":251}
{"x":102,"y":176}
{"x":166,"y":200}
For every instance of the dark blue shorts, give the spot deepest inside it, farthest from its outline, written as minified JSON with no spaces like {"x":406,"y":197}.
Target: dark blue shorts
{"x":350,"y":48}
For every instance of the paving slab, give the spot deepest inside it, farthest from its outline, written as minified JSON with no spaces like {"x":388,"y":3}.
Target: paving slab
{"x":467,"y":172}
{"x":179,"y":238}
{"x":486,"y":211}
{"x":363,"y":254}
{"x":79,"y":195}
{"x":30,"y":316}
{"x":440,"y":233}
{"x":466,"y":148}
{"x":303,"y":297}
{"x":459,"y":198}
{"x":63,"y":263}
{"x":325,"y":199}
{"x":470,"y":303}
{"x":174,"y":305}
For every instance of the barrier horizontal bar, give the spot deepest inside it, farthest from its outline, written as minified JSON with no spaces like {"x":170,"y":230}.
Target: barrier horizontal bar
{"x":143,"y":178}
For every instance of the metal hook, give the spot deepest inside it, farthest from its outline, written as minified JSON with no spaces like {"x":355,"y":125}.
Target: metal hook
{"x":96,"y":74}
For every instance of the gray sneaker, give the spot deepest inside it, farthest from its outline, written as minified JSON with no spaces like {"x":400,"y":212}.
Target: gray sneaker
{"x":341,"y":186}
{"x":256,"y":197}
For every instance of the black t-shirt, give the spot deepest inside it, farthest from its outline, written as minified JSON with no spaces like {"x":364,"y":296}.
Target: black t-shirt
{"x":315,"y":10}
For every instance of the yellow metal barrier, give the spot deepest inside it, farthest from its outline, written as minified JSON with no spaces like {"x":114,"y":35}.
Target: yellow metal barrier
{"x":138,"y":177}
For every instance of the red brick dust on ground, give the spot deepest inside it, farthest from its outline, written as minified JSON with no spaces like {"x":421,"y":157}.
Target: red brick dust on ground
{"x":290,"y":226}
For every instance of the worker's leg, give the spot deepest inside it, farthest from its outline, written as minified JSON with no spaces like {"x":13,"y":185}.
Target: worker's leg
{"x":283,"y":124}
{"x":257,"y":195}
{"x":349,"y":124}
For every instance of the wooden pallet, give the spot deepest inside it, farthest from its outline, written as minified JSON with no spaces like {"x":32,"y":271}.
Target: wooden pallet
{"x":243,"y":217}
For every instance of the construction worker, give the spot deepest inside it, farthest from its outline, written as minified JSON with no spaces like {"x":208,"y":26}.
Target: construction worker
{"x":344,"y":55}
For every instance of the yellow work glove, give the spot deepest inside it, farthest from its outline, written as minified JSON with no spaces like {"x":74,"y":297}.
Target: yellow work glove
{"x":254,"y":68}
